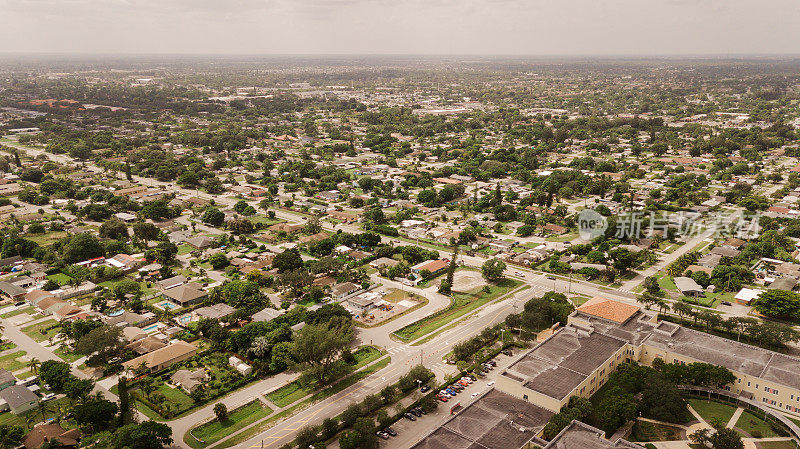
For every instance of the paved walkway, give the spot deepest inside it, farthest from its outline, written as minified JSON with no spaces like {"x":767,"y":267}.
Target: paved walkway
{"x":735,"y":418}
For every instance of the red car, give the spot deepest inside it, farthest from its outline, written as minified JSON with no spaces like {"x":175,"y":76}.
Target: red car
{"x":442,"y":398}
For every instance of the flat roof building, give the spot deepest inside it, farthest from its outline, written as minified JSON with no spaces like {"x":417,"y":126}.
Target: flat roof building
{"x":577,"y":359}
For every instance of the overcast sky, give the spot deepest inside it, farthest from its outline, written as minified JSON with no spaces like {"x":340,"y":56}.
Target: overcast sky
{"x":521,"y":27}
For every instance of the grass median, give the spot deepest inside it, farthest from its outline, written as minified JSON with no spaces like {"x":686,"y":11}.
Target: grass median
{"x":323,"y":394}
{"x":460,"y":305}
{"x":213,"y":431}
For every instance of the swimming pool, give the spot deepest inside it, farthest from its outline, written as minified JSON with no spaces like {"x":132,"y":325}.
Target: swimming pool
{"x":151,"y":328}
{"x":166,"y":305}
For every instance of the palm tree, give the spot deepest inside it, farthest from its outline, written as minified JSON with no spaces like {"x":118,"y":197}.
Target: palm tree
{"x":30,"y":420}
{"x":10,"y":437}
{"x":34,"y":364}
{"x":44,"y":409}
{"x":260,"y":346}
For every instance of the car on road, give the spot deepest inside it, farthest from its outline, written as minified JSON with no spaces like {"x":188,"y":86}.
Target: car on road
{"x":19,"y":304}
{"x":390,"y":431}
{"x":490,"y":383}
{"x":475,"y":395}
{"x":410,"y":416}
{"x":552,"y":278}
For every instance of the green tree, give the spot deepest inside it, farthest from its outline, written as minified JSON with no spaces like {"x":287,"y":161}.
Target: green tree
{"x":82,"y":247}
{"x":493,"y":270}
{"x":317,"y":347}
{"x":98,"y":413}
{"x":54,"y":373}
{"x":221,"y":411}
{"x":213,"y":216}
{"x":218,"y":261}
{"x":288,"y":260}
{"x":146,"y":231}
{"x":778,"y":304}
{"x":114,"y":229}
{"x":617,"y":408}
{"x":11,"y":436}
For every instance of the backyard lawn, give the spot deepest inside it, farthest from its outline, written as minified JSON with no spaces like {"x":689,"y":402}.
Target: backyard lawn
{"x":29,"y":310}
{"x":711,"y":410}
{"x":788,"y":444}
{"x":644,"y":431}
{"x":10,"y":363}
{"x":35,"y":331}
{"x":66,"y":355}
{"x":59,"y":278}
{"x":755,"y":426}
{"x":214,"y":431}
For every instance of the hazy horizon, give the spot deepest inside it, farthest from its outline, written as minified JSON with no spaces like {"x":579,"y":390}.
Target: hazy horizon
{"x":572,"y":28}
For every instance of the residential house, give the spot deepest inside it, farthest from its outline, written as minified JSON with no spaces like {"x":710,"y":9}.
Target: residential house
{"x":11,"y":292}
{"x":186,"y":294}
{"x":434,"y":266}
{"x":162,"y":358}
{"x":172,"y":282}
{"x":688,"y":286}
{"x":51,"y":435}
{"x":18,"y":399}
{"x":339,"y":291}
{"x":190,"y":380}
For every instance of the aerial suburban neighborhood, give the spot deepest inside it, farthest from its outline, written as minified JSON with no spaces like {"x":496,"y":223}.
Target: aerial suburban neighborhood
{"x":361,"y":252}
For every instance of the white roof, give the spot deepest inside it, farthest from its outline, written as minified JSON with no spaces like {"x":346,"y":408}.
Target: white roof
{"x":748,"y":294}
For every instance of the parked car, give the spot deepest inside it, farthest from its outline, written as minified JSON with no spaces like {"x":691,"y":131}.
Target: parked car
{"x":442,"y":398}
{"x":410,"y":416}
{"x":422,"y":410}
{"x":450,"y":392}
{"x":383,"y":435}
{"x":390,"y":431}
{"x":508,"y":353}
{"x":490,"y":383}
{"x":444,"y":393}
{"x":48,"y":397}
{"x":415,"y":412}
{"x":725,"y":303}
{"x":475,"y":395}
{"x":424,"y":389}
{"x":19,"y":304}
{"x":463,"y":383}
{"x":492,"y":362}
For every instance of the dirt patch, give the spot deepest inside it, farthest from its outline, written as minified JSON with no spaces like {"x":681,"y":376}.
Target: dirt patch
{"x":467,"y":280}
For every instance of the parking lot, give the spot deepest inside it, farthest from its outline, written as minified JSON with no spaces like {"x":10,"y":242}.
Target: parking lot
{"x":410,"y":432}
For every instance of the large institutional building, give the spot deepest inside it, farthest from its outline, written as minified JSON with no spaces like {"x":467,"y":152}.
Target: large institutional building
{"x":577,"y":360}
